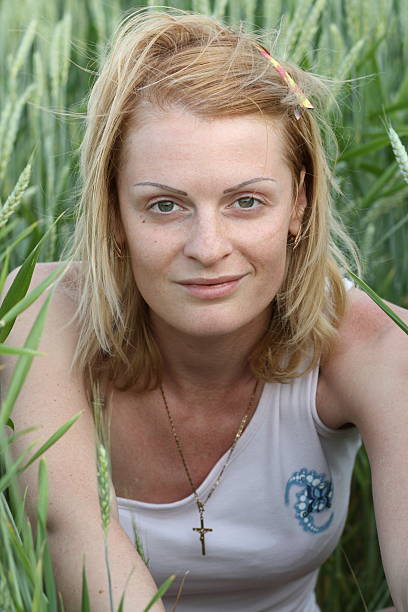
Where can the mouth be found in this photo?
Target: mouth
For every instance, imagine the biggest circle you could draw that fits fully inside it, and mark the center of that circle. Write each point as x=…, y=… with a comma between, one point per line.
x=211, y=288
x=211, y=281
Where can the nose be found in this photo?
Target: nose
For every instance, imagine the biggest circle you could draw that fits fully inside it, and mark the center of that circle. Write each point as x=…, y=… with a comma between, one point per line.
x=208, y=240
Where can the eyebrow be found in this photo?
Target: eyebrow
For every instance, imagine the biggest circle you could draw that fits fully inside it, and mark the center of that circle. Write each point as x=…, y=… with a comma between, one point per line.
x=161, y=186
x=184, y=193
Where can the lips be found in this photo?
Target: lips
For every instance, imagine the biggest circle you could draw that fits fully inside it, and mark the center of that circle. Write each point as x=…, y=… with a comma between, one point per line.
x=211, y=281
x=212, y=288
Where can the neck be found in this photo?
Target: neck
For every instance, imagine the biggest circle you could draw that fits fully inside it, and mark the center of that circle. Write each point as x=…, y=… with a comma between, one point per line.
x=216, y=363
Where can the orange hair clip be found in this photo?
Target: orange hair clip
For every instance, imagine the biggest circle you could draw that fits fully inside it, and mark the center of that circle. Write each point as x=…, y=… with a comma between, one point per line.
x=293, y=87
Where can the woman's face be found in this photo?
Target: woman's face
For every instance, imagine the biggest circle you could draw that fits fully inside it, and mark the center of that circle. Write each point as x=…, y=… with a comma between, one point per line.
x=206, y=207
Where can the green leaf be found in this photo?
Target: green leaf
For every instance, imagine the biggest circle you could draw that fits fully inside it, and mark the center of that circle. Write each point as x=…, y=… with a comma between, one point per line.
x=52, y=440
x=42, y=541
x=49, y=581
x=19, y=238
x=4, y=270
x=10, y=550
x=10, y=424
x=85, y=605
x=37, y=596
x=12, y=470
x=24, y=303
x=369, y=147
x=5, y=349
x=19, y=287
x=42, y=503
x=160, y=592
x=376, y=298
x=23, y=364
x=17, y=291
x=121, y=603
x=375, y=191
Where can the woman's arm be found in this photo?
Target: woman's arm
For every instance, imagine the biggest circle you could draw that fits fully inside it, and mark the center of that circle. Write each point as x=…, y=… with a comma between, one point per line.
x=368, y=380
x=51, y=395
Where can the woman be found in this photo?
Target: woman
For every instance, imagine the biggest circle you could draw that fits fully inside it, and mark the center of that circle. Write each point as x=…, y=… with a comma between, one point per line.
x=239, y=368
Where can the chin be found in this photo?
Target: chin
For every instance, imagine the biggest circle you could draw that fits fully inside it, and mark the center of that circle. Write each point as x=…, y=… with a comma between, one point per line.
x=212, y=327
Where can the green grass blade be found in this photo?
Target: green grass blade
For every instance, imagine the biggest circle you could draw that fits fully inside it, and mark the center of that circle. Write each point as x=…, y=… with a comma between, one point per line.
x=31, y=297
x=374, y=193
x=369, y=147
x=12, y=470
x=49, y=581
x=8, y=549
x=19, y=287
x=85, y=605
x=23, y=365
x=160, y=592
x=5, y=349
x=42, y=543
x=376, y=298
x=5, y=269
x=24, y=234
x=17, y=291
x=121, y=603
x=38, y=592
x=52, y=440
x=42, y=503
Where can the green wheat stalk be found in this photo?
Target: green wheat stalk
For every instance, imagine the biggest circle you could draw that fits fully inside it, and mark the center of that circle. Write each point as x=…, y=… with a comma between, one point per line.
x=6, y=603
x=14, y=199
x=400, y=152
x=353, y=19
x=298, y=19
x=9, y=122
x=308, y=31
x=220, y=8
x=102, y=463
x=250, y=9
x=369, y=18
x=20, y=57
x=271, y=12
x=201, y=6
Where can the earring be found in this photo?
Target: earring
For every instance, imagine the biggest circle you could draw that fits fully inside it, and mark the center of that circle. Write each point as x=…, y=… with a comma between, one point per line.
x=297, y=239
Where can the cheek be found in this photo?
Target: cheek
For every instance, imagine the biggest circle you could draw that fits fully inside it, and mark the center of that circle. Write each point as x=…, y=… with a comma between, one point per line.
x=271, y=241
x=150, y=258
x=269, y=260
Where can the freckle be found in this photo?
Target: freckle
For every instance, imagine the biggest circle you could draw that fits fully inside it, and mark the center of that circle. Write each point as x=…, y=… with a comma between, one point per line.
x=143, y=220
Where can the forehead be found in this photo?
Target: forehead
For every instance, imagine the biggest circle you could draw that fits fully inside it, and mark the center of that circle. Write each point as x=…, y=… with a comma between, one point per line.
x=177, y=135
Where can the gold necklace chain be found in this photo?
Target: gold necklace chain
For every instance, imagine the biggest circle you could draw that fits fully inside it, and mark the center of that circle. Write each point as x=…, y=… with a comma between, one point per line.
x=202, y=530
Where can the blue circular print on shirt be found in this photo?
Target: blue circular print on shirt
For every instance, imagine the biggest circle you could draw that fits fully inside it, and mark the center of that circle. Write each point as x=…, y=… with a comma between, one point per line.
x=314, y=497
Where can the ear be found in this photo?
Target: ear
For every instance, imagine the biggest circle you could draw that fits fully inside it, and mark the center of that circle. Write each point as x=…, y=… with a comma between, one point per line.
x=299, y=206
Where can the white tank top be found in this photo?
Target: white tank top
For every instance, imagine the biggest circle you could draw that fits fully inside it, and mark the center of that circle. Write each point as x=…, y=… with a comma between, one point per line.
x=276, y=515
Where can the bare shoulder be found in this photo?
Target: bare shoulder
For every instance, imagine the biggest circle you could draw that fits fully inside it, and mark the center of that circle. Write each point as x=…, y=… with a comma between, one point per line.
x=370, y=354
x=366, y=322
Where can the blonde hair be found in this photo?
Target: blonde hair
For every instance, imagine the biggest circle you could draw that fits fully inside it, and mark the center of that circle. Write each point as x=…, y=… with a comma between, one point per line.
x=177, y=58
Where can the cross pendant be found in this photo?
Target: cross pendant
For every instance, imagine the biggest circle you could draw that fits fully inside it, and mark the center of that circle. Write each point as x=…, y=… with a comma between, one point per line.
x=202, y=531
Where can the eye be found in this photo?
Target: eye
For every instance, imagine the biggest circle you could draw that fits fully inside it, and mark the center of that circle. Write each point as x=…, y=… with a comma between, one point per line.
x=247, y=202
x=165, y=206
